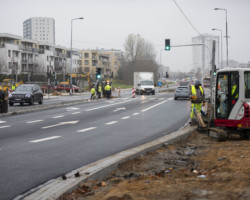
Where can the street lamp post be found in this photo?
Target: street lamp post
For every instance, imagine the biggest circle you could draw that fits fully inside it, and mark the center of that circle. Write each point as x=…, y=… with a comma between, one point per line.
x=215, y=29
x=226, y=30
x=71, y=54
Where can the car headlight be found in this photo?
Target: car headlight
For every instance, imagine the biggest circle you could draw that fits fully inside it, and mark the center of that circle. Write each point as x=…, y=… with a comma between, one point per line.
x=27, y=95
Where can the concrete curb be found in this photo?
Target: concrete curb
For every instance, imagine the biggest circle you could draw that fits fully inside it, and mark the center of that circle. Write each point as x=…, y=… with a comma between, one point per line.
x=53, y=189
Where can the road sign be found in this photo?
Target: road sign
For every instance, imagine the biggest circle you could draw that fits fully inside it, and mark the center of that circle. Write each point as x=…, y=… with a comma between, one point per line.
x=159, y=83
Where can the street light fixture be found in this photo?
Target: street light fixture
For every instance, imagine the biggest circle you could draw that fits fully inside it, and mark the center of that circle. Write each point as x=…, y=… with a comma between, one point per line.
x=71, y=54
x=226, y=30
x=215, y=29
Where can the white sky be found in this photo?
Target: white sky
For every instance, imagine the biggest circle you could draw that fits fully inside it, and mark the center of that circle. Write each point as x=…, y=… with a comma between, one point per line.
x=107, y=23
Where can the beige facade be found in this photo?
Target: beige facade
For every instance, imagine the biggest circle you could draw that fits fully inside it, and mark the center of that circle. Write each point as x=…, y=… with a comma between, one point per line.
x=108, y=61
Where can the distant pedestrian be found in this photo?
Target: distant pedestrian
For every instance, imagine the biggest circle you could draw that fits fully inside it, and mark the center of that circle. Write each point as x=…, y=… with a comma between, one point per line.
x=108, y=90
x=99, y=91
x=92, y=92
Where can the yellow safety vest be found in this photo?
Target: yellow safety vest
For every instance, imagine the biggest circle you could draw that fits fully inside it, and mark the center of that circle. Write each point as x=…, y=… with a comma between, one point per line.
x=13, y=87
x=108, y=87
x=93, y=91
x=193, y=91
x=100, y=88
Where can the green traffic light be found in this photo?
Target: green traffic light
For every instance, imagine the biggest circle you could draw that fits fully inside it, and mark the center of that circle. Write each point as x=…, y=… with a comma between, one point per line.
x=98, y=76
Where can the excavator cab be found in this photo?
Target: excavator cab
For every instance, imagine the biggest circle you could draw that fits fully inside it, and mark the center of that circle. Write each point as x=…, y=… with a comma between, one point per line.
x=232, y=98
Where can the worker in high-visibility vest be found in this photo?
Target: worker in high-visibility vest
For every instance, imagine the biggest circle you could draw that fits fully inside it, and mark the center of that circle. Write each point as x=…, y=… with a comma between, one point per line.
x=197, y=98
x=108, y=90
x=92, y=92
x=13, y=87
x=99, y=91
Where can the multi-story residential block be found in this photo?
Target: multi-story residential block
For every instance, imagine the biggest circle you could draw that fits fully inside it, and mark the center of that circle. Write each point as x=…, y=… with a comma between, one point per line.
x=108, y=61
x=39, y=28
x=29, y=57
x=10, y=54
x=202, y=53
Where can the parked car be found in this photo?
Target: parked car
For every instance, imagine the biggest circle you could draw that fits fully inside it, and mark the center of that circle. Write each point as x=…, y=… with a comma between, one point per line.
x=26, y=93
x=182, y=92
x=66, y=87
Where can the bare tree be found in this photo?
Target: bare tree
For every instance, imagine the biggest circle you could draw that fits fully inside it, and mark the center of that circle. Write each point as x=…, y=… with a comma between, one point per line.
x=137, y=48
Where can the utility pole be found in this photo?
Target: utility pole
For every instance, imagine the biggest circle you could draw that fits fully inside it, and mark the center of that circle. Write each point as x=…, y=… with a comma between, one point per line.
x=213, y=69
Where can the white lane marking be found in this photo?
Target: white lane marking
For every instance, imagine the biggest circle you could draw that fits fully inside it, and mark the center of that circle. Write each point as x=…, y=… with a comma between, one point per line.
x=126, y=117
x=59, y=116
x=61, y=123
x=1, y=122
x=30, y=122
x=172, y=98
x=113, y=122
x=86, y=129
x=72, y=108
x=119, y=109
x=4, y=126
x=136, y=114
x=108, y=105
x=45, y=139
x=161, y=98
x=75, y=113
x=153, y=106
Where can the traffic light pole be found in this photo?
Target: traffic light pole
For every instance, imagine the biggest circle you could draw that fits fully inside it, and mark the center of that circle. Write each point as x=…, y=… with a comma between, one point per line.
x=188, y=45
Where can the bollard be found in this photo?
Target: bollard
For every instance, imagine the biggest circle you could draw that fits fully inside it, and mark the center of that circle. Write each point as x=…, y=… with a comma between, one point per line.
x=133, y=93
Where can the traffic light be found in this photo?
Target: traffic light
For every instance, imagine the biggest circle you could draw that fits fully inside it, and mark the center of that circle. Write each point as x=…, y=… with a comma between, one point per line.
x=98, y=73
x=167, y=44
x=167, y=75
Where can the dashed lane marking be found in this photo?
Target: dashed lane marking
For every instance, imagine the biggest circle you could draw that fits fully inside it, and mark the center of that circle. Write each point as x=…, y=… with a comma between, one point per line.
x=75, y=113
x=4, y=126
x=45, y=139
x=86, y=129
x=30, y=122
x=136, y=114
x=108, y=105
x=59, y=116
x=153, y=106
x=126, y=117
x=113, y=122
x=1, y=122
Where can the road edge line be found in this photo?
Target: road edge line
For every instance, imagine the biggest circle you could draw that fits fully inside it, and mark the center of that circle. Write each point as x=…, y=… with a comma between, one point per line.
x=55, y=188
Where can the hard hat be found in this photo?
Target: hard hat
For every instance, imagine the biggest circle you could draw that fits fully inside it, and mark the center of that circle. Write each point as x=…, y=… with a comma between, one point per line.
x=197, y=82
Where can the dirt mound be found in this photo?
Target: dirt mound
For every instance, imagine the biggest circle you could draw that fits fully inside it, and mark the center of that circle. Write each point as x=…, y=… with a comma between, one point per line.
x=196, y=168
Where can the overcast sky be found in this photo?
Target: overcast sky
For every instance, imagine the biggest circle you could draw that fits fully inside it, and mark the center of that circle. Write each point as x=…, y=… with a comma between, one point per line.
x=107, y=23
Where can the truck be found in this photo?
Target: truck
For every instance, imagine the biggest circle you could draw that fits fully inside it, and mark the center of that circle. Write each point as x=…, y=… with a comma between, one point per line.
x=144, y=83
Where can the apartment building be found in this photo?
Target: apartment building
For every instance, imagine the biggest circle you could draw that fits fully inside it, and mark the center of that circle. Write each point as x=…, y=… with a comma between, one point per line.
x=108, y=61
x=10, y=54
x=202, y=52
x=41, y=29
x=25, y=56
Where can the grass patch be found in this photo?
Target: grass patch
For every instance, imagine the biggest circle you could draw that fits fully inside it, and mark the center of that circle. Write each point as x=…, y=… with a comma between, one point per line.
x=121, y=84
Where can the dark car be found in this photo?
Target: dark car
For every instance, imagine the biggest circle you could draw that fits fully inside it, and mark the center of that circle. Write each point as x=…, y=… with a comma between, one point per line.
x=26, y=93
x=181, y=92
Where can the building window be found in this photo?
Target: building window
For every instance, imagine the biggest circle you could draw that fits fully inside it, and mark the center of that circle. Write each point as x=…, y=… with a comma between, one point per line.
x=86, y=55
x=86, y=62
x=9, y=53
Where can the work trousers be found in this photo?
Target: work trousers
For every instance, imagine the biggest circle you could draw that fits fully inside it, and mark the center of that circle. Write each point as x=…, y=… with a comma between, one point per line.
x=196, y=106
